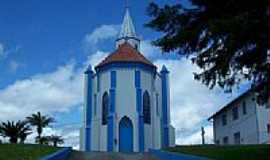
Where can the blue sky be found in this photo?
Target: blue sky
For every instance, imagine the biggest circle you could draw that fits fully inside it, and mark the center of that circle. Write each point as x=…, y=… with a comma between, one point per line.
x=45, y=45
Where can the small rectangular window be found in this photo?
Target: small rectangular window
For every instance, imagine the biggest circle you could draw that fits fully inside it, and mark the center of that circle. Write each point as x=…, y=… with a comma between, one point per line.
x=225, y=140
x=224, y=119
x=244, y=108
x=267, y=105
x=217, y=142
x=237, y=138
x=235, y=113
x=268, y=128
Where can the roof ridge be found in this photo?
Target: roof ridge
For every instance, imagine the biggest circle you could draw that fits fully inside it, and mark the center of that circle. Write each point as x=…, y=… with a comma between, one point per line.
x=125, y=53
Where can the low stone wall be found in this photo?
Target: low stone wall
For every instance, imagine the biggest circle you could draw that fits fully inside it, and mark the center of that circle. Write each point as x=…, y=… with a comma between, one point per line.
x=58, y=155
x=163, y=155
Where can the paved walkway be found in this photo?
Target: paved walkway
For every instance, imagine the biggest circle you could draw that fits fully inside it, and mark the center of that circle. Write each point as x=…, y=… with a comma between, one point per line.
x=75, y=155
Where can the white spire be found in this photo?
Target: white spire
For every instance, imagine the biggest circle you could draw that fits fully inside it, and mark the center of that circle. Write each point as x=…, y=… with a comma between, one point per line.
x=127, y=33
x=127, y=28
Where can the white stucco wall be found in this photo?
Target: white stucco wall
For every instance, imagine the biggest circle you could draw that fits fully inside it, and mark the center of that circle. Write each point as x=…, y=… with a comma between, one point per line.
x=126, y=102
x=252, y=126
x=263, y=120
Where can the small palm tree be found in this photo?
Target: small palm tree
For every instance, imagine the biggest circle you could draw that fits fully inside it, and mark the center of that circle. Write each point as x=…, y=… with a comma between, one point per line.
x=55, y=140
x=14, y=130
x=40, y=122
x=25, y=130
x=43, y=140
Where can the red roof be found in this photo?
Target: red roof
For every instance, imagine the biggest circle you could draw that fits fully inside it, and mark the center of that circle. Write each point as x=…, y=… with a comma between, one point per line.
x=125, y=53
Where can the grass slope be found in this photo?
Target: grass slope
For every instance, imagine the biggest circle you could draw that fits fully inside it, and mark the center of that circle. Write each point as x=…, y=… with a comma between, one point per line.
x=243, y=152
x=24, y=151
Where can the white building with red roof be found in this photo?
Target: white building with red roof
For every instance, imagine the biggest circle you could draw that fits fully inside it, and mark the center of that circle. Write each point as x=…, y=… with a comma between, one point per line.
x=127, y=101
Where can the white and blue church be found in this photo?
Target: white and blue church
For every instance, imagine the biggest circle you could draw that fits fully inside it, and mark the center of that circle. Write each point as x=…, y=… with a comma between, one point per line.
x=127, y=100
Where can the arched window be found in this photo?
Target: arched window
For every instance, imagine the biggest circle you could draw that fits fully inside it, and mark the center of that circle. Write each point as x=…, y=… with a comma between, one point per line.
x=105, y=108
x=146, y=108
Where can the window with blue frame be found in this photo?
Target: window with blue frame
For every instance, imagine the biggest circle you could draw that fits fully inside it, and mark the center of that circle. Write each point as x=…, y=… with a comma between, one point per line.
x=105, y=108
x=146, y=108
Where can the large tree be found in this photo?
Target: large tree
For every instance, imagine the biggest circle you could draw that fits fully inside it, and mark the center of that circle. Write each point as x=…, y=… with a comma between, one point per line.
x=229, y=40
x=40, y=122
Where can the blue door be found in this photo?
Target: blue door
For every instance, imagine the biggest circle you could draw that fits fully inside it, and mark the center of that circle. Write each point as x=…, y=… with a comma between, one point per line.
x=125, y=135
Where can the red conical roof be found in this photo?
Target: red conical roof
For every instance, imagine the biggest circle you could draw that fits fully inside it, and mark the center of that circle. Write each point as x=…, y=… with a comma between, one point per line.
x=125, y=53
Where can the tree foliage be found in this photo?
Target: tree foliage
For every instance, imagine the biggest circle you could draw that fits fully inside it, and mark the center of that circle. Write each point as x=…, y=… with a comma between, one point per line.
x=15, y=130
x=55, y=140
x=40, y=122
x=229, y=40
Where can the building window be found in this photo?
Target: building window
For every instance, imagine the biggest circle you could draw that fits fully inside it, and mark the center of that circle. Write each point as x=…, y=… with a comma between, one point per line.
x=236, y=138
x=146, y=108
x=105, y=107
x=217, y=142
x=225, y=140
x=157, y=105
x=244, y=108
x=235, y=113
x=95, y=104
x=224, y=119
x=268, y=128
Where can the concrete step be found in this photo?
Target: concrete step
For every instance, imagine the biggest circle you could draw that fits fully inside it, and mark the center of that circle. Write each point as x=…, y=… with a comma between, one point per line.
x=77, y=155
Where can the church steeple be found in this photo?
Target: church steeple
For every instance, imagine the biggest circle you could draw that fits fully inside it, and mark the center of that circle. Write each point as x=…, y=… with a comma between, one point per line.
x=128, y=33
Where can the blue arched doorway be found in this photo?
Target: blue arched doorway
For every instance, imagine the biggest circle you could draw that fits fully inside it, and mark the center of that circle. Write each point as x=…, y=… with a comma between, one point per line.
x=125, y=135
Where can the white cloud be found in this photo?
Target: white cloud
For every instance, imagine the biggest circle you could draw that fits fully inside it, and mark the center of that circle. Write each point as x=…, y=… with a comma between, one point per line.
x=191, y=101
x=101, y=33
x=149, y=50
x=196, y=138
x=50, y=92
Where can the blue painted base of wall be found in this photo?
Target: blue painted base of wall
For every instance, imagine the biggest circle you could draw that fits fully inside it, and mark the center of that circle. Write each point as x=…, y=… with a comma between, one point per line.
x=163, y=155
x=61, y=154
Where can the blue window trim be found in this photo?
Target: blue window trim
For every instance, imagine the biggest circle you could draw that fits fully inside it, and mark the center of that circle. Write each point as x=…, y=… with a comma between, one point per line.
x=110, y=134
x=139, y=110
x=89, y=75
x=137, y=79
x=105, y=108
x=113, y=79
x=146, y=108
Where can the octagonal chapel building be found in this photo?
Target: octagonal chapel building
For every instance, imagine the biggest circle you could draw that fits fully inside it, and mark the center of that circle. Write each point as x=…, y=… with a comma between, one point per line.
x=127, y=101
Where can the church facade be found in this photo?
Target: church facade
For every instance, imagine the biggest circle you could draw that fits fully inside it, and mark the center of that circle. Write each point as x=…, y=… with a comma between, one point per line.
x=127, y=100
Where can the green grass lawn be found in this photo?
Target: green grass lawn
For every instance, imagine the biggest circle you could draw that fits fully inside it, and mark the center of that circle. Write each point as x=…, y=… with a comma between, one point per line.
x=243, y=152
x=24, y=151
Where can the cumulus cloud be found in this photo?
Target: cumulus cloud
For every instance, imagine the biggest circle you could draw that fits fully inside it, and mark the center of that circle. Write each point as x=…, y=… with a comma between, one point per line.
x=56, y=91
x=100, y=34
x=49, y=92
